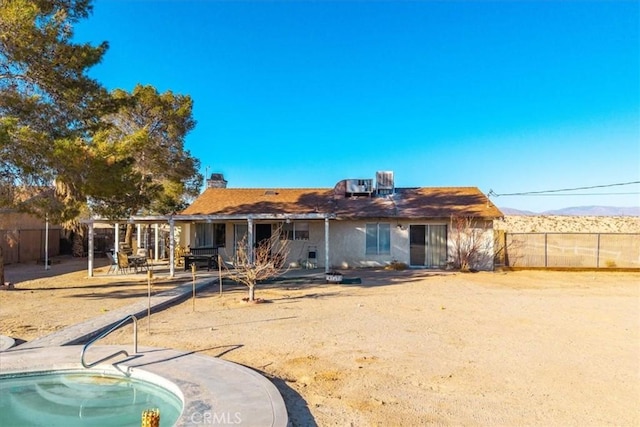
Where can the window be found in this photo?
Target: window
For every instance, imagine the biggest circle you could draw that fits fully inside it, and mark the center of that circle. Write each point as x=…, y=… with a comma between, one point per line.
x=295, y=231
x=378, y=240
x=210, y=235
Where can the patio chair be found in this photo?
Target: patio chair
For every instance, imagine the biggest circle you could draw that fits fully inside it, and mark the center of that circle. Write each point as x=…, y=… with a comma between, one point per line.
x=113, y=264
x=123, y=262
x=141, y=259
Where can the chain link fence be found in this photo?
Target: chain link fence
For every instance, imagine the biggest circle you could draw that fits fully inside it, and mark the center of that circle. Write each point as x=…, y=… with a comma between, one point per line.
x=571, y=250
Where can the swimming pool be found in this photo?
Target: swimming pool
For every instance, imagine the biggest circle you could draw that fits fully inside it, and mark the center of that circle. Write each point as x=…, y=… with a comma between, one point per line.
x=84, y=398
x=212, y=390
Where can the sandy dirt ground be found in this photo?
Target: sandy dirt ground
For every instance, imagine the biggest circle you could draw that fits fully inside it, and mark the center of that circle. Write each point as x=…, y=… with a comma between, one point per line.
x=399, y=349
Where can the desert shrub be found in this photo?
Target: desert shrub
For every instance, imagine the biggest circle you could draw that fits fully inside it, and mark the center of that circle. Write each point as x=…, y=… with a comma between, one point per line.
x=610, y=263
x=469, y=249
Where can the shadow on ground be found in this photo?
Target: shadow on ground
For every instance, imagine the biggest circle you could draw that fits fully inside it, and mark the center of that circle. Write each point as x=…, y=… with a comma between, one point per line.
x=63, y=264
x=297, y=407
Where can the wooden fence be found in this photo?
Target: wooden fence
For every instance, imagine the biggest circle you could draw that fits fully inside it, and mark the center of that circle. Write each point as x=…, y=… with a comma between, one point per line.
x=28, y=245
x=571, y=250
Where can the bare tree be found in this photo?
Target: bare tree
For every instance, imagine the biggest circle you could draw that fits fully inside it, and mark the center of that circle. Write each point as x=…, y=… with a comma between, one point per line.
x=471, y=248
x=264, y=261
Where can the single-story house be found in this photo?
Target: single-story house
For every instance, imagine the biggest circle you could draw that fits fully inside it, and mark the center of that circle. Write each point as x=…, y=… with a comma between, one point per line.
x=358, y=223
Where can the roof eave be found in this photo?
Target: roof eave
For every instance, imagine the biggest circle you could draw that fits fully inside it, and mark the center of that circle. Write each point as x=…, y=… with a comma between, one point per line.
x=258, y=216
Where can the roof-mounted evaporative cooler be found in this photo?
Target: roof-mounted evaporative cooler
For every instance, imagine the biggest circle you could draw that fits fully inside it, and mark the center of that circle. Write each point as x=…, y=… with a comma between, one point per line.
x=384, y=183
x=359, y=187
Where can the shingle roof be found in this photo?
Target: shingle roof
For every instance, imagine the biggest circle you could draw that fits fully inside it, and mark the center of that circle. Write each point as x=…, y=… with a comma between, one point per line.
x=447, y=201
x=422, y=202
x=246, y=201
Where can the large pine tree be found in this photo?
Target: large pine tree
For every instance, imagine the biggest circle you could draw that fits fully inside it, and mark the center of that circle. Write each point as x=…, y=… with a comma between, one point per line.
x=48, y=103
x=67, y=146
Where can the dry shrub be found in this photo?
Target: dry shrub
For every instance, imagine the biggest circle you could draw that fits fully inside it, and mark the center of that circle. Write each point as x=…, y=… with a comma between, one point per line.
x=396, y=266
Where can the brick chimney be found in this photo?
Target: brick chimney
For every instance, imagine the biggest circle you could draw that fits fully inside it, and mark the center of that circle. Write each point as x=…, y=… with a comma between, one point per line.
x=216, y=181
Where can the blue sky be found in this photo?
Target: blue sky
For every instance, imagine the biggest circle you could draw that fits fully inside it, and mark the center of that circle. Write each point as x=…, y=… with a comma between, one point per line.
x=507, y=96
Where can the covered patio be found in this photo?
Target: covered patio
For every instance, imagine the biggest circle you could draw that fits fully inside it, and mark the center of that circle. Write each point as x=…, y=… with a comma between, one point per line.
x=180, y=235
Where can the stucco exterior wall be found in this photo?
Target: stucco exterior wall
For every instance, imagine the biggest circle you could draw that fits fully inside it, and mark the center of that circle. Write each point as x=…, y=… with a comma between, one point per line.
x=347, y=242
x=483, y=234
x=489, y=247
x=298, y=249
x=187, y=235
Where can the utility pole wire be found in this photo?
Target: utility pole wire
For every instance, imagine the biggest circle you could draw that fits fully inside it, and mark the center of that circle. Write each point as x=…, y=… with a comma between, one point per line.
x=526, y=193
x=579, y=194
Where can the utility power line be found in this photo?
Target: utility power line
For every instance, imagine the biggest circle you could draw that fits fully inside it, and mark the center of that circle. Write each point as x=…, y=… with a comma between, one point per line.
x=579, y=194
x=547, y=192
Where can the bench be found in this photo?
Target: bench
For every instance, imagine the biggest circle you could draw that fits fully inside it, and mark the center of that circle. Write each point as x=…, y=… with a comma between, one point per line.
x=201, y=256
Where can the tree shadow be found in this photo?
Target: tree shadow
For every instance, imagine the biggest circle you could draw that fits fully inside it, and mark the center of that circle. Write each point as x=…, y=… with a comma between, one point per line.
x=365, y=278
x=314, y=295
x=122, y=290
x=227, y=349
x=62, y=264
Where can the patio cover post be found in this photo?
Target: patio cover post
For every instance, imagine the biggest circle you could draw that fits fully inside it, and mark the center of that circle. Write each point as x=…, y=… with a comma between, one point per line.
x=250, y=239
x=172, y=245
x=46, y=242
x=326, y=244
x=90, y=254
x=156, y=230
x=138, y=235
x=116, y=242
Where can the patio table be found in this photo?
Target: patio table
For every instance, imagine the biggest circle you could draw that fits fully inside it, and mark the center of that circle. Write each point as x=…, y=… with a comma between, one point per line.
x=138, y=261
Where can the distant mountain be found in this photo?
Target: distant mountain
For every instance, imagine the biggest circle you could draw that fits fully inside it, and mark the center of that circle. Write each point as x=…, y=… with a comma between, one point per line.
x=597, y=211
x=580, y=211
x=512, y=211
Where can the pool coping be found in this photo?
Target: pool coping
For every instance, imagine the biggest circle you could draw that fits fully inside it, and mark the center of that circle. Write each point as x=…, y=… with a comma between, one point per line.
x=6, y=342
x=215, y=391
